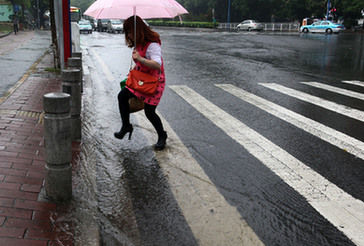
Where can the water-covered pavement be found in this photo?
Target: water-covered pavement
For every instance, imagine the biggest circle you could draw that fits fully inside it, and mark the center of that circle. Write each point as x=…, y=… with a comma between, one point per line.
x=18, y=53
x=254, y=155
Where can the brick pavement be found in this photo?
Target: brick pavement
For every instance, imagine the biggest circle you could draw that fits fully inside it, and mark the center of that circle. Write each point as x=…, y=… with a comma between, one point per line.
x=25, y=218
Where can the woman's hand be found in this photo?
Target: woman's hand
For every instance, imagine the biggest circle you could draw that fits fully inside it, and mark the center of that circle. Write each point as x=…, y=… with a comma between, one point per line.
x=149, y=63
x=136, y=56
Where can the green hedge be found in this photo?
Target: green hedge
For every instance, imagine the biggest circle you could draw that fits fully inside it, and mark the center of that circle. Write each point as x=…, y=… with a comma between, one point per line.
x=195, y=24
x=6, y=27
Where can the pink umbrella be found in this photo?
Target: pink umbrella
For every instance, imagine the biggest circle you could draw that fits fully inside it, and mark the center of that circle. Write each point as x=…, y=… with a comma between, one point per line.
x=146, y=9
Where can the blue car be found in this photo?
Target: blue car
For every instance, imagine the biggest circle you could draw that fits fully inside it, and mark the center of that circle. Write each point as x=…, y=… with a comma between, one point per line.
x=323, y=27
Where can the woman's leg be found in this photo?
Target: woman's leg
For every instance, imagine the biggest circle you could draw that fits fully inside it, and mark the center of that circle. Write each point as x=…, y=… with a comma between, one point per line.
x=123, y=98
x=152, y=116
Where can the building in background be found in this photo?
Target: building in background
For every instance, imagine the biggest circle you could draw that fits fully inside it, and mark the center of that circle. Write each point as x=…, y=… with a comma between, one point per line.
x=6, y=11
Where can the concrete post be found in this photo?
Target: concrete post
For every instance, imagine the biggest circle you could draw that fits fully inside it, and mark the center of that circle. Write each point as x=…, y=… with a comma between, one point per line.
x=76, y=62
x=71, y=80
x=77, y=54
x=58, y=146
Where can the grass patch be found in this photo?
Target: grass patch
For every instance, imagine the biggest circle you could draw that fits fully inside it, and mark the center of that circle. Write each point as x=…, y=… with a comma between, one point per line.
x=5, y=27
x=52, y=70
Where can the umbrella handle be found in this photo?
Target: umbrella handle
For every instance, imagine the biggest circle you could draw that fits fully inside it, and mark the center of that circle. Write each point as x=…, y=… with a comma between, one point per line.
x=134, y=10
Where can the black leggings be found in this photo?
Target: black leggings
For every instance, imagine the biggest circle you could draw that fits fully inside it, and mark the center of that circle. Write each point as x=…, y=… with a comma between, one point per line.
x=149, y=110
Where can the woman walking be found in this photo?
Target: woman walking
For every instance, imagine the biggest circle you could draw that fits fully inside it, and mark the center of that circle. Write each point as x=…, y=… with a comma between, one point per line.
x=147, y=56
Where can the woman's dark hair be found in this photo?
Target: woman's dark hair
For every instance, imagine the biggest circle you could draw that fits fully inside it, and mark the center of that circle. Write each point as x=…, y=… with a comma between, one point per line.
x=143, y=32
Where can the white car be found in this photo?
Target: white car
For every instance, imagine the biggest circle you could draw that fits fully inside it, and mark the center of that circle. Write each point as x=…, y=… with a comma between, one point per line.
x=250, y=25
x=115, y=26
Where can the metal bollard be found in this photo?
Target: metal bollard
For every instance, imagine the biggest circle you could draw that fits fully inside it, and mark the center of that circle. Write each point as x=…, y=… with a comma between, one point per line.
x=71, y=80
x=76, y=62
x=58, y=146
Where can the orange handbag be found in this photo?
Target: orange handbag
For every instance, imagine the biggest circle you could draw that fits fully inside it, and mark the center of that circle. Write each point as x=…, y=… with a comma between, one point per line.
x=142, y=82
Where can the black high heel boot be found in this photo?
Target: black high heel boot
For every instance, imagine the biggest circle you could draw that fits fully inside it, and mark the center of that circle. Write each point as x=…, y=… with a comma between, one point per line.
x=161, y=143
x=123, y=131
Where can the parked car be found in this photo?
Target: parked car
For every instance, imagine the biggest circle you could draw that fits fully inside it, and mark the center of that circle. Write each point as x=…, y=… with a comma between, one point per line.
x=85, y=26
x=93, y=24
x=250, y=25
x=102, y=25
x=323, y=27
x=115, y=26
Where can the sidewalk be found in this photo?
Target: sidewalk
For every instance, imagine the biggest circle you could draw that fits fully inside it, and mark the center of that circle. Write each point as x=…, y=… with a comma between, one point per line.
x=25, y=218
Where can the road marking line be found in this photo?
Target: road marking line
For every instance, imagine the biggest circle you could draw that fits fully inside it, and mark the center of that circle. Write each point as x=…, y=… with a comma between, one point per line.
x=341, y=140
x=104, y=67
x=197, y=196
x=341, y=109
x=328, y=199
x=337, y=90
x=354, y=82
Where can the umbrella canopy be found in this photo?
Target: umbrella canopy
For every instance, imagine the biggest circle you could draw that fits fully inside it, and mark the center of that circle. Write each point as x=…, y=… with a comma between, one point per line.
x=146, y=9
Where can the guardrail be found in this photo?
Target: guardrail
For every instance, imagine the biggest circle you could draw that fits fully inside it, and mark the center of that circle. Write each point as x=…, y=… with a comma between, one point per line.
x=273, y=27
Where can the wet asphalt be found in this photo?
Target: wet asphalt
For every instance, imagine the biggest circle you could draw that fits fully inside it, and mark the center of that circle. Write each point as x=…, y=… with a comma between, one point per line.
x=276, y=213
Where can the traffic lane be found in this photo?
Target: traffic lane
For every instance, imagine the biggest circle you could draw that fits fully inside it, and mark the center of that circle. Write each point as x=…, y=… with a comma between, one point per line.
x=199, y=70
x=309, y=56
x=200, y=67
x=128, y=175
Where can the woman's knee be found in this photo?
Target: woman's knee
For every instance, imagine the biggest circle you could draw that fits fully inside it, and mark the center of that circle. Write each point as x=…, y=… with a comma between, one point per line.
x=149, y=110
x=123, y=95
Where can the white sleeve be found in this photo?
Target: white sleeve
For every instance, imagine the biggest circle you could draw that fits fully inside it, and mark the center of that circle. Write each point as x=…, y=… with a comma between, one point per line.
x=154, y=52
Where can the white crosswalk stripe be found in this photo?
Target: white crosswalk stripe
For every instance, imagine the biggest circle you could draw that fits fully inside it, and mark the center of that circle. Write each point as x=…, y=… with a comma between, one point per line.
x=336, y=90
x=325, y=133
x=341, y=109
x=337, y=206
x=226, y=226
x=354, y=82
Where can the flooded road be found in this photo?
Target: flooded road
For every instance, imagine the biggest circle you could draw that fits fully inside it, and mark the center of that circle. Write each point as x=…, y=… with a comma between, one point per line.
x=247, y=163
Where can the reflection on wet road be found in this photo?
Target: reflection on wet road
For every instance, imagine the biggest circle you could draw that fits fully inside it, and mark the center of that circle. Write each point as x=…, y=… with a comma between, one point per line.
x=246, y=163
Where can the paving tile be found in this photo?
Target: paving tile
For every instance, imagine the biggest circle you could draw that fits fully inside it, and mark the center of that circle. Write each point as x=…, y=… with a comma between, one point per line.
x=15, y=223
x=2, y=220
x=34, y=205
x=31, y=188
x=16, y=213
x=9, y=186
x=23, y=180
x=5, y=164
x=12, y=232
x=14, y=172
x=18, y=194
x=6, y=202
x=22, y=242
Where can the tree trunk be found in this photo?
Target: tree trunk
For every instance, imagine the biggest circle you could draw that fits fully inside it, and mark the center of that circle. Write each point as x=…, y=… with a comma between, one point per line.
x=54, y=35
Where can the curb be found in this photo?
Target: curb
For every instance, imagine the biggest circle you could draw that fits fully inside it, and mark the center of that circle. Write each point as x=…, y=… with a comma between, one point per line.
x=6, y=34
